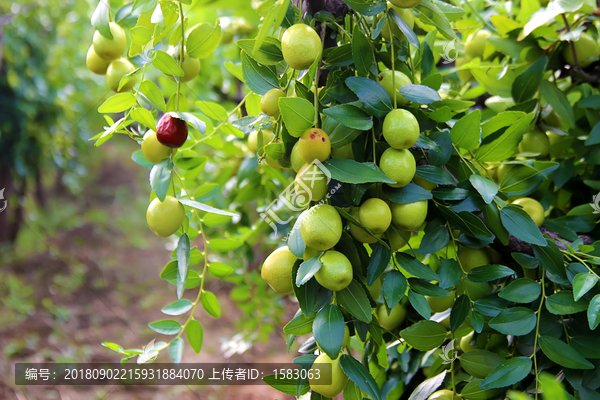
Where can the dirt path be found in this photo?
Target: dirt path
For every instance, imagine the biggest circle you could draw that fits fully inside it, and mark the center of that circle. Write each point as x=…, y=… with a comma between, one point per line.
x=96, y=279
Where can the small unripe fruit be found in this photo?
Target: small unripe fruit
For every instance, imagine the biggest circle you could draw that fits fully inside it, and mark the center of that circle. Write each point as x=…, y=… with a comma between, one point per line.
x=359, y=233
x=392, y=320
x=424, y=183
x=439, y=304
x=338, y=378
x=314, y=144
x=396, y=240
x=190, y=66
x=586, y=48
x=409, y=216
x=398, y=165
x=321, y=228
x=153, y=150
x=94, y=63
x=336, y=272
x=117, y=70
x=464, y=74
x=108, y=49
x=475, y=44
x=405, y=3
x=164, y=218
x=391, y=82
x=375, y=215
x=535, y=141
x=171, y=131
x=310, y=183
x=533, y=208
x=277, y=270
x=295, y=159
x=267, y=136
x=269, y=104
x=400, y=129
x=300, y=46
x=472, y=258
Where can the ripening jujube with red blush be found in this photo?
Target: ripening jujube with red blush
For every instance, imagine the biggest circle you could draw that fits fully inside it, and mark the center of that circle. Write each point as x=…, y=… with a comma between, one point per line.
x=314, y=144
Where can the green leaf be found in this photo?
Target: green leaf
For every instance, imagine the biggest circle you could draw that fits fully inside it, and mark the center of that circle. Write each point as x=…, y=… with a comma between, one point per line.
x=144, y=117
x=374, y=98
x=479, y=363
x=582, y=283
x=508, y=373
x=427, y=387
x=501, y=145
x=101, y=19
x=328, y=328
x=211, y=304
x=472, y=390
x=419, y=94
x=176, y=350
x=203, y=40
x=165, y=327
x=424, y=335
x=117, y=103
x=153, y=94
x=307, y=270
x=284, y=385
x=415, y=267
x=160, y=178
x=114, y=347
x=407, y=194
x=562, y=303
x=430, y=14
x=466, y=132
x=522, y=290
x=178, y=307
x=486, y=188
x=593, y=311
x=380, y=259
x=298, y=114
x=206, y=208
x=594, y=137
x=526, y=85
x=366, y=7
x=354, y=300
x=350, y=171
x=488, y=273
x=166, y=63
x=360, y=376
x=563, y=354
x=519, y=224
x=586, y=345
x=212, y=110
x=550, y=258
x=362, y=51
x=183, y=262
x=559, y=102
x=269, y=52
x=427, y=289
x=516, y=321
x=195, y=335
x=435, y=174
x=350, y=116
x=460, y=311
x=436, y=237
x=299, y=325
x=259, y=78
x=419, y=303
x=404, y=28
x=394, y=288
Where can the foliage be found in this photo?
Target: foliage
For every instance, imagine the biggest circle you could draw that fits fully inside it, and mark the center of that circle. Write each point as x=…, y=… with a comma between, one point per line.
x=528, y=295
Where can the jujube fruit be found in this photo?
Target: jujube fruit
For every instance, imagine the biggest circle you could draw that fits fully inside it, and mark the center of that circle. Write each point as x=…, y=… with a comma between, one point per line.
x=338, y=378
x=153, y=150
x=533, y=208
x=396, y=240
x=444, y=394
x=406, y=3
x=392, y=320
x=439, y=304
x=165, y=217
x=357, y=232
x=116, y=70
x=409, y=216
x=300, y=46
x=171, y=131
x=314, y=144
x=110, y=49
x=321, y=227
x=375, y=215
x=475, y=44
x=277, y=270
x=535, y=141
x=269, y=104
x=267, y=136
x=295, y=159
x=400, y=129
x=586, y=48
x=391, y=82
x=190, y=66
x=94, y=63
x=310, y=183
x=472, y=258
x=398, y=165
x=336, y=272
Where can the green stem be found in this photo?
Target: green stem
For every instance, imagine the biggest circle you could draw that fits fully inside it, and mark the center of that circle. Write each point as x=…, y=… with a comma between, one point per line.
x=537, y=334
x=181, y=16
x=393, y=61
x=482, y=19
x=216, y=129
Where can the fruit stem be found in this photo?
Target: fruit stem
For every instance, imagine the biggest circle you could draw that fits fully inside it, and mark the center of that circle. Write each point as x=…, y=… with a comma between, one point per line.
x=181, y=16
x=572, y=46
x=537, y=333
x=393, y=62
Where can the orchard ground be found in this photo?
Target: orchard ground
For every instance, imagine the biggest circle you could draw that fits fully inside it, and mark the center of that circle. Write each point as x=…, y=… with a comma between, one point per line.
x=91, y=264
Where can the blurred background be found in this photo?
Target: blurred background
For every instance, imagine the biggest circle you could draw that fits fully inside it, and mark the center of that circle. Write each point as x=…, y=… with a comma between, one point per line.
x=79, y=265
